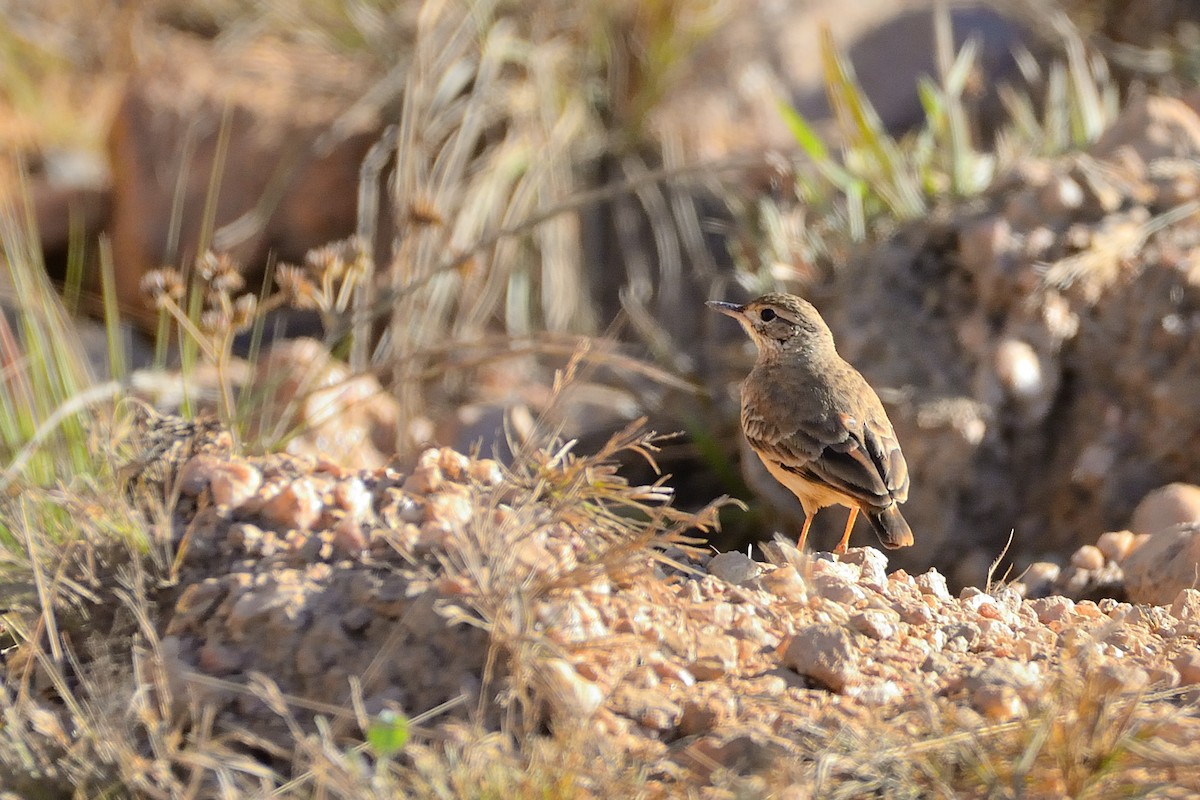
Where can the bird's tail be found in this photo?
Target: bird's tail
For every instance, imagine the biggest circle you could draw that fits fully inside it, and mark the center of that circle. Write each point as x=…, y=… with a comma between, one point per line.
x=890, y=526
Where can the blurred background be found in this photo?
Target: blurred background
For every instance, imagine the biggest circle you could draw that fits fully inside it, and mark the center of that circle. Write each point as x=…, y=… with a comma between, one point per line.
x=440, y=205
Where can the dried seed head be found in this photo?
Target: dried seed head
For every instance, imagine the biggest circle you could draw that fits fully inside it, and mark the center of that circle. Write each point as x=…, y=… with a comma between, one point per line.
x=244, y=309
x=326, y=263
x=220, y=272
x=216, y=320
x=161, y=285
x=297, y=289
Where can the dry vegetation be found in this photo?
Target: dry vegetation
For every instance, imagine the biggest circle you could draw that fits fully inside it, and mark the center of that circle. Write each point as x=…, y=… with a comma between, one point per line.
x=497, y=106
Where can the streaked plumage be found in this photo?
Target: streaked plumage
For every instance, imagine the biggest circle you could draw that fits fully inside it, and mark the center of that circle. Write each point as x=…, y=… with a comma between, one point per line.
x=817, y=425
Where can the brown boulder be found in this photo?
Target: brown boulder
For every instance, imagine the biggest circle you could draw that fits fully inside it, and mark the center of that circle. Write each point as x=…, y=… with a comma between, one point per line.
x=255, y=129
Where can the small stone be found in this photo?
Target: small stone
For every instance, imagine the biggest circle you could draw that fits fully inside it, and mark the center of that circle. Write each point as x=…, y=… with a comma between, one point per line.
x=998, y=702
x=1040, y=577
x=716, y=655
x=734, y=754
x=400, y=507
x=1038, y=242
x=733, y=567
x=1088, y=609
x=961, y=636
x=245, y=538
x=297, y=506
x=649, y=708
x=574, y=696
x=348, y=538
x=847, y=571
x=934, y=583
x=1052, y=609
x=453, y=510
x=1019, y=369
x=785, y=582
x=877, y=694
x=839, y=591
x=702, y=716
x=1060, y=196
x=872, y=564
x=1115, y=545
x=914, y=614
x=981, y=244
x=982, y=604
x=425, y=478
x=1115, y=678
x=1088, y=557
x=454, y=465
x=878, y=623
x=1188, y=666
x=195, y=475
x=486, y=471
x=1186, y=605
x=233, y=483
x=826, y=653
x=357, y=619
x=352, y=497
x=196, y=605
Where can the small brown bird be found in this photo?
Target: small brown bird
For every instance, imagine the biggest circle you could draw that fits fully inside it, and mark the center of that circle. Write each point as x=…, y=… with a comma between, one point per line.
x=816, y=423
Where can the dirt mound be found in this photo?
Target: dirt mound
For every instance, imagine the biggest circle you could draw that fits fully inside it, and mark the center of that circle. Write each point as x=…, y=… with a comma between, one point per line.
x=1037, y=347
x=477, y=594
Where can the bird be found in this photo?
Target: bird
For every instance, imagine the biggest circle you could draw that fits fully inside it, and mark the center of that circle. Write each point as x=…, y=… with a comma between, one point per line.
x=816, y=423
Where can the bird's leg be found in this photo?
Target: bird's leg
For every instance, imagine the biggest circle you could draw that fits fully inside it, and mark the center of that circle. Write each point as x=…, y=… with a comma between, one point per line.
x=808, y=518
x=841, y=548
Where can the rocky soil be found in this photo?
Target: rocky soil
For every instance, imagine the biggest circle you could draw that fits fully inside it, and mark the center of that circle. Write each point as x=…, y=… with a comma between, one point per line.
x=489, y=595
x=1036, y=347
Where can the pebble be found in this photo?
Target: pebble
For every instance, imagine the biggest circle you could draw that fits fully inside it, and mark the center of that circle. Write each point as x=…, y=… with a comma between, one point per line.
x=1188, y=666
x=1116, y=545
x=733, y=567
x=1186, y=605
x=879, y=624
x=837, y=590
x=877, y=694
x=575, y=696
x=786, y=583
x=297, y=506
x=1040, y=577
x=1052, y=609
x=998, y=703
x=826, y=653
x=233, y=483
x=486, y=472
x=872, y=565
x=933, y=583
x=352, y=496
x=1088, y=557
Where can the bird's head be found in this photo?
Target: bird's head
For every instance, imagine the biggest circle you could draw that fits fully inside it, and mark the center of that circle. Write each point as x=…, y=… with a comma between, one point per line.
x=780, y=323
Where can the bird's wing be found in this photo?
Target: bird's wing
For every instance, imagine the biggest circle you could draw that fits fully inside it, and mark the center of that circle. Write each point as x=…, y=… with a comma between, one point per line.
x=856, y=458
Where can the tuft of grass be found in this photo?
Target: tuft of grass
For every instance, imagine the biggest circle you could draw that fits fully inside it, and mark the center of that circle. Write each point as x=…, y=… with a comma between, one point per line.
x=874, y=180
x=47, y=392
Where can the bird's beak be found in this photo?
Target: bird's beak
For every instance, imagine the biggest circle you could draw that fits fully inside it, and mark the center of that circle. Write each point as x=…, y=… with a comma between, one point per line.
x=729, y=309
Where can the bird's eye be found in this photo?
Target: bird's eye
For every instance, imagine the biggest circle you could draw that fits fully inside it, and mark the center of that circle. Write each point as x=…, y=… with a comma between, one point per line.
x=766, y=315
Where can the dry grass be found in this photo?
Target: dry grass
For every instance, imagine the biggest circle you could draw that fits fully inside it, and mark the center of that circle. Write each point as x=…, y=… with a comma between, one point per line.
x=498, y=112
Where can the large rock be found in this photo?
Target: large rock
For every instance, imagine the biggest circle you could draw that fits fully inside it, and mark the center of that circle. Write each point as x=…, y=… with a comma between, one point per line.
x=252, y=127
x=1166, y=507
x=1166, y=564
